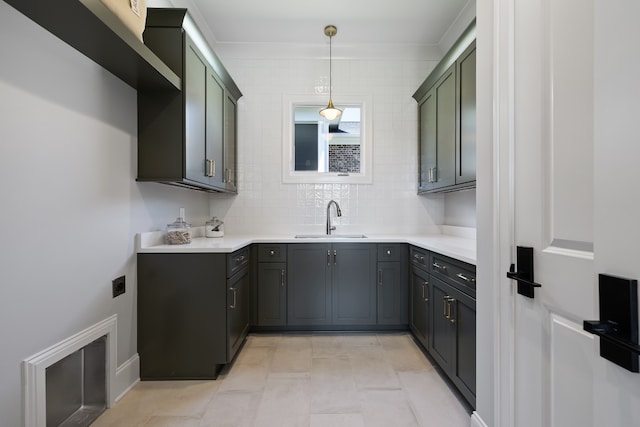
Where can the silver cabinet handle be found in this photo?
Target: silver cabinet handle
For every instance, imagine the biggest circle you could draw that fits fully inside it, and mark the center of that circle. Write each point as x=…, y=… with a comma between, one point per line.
x=418, y=257
x=444, y=306
x=210, y=168
x=240, y=259
x=433, y=174
x=272, y=252
x=465, y=278
x=335, y=257
x=425, y=297
x=282, y=277
x=439, y=267
x=380, y=277
x=328, y=257
x=449, y=316
x=235, y=297
x=389, y=252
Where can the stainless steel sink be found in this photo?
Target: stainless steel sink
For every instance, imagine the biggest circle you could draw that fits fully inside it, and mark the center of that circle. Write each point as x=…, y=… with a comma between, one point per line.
x=329, y=236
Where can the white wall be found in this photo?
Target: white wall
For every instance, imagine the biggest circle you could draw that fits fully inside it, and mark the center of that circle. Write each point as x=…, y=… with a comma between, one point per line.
x=389, y=205
x=70, y=206
x=460, y=208
x=390, y=75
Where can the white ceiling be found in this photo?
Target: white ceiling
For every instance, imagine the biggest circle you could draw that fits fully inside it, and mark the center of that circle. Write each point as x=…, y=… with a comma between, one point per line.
x=405, y=22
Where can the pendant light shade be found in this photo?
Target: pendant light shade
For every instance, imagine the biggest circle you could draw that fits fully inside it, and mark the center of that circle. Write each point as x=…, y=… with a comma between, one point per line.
x=331, y=112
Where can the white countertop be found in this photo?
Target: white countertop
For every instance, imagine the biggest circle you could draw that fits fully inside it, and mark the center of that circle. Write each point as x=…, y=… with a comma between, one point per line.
x=461, y=246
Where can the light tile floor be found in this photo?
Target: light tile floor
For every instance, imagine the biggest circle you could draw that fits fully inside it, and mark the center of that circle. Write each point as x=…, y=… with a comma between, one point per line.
x=303, y=380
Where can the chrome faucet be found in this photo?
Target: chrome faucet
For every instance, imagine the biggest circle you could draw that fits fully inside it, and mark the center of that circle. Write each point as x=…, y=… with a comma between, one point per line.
x=330, y=228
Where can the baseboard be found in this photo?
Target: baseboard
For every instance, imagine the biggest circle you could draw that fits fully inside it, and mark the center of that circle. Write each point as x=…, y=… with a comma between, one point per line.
x=476, y=421
x=127, y=376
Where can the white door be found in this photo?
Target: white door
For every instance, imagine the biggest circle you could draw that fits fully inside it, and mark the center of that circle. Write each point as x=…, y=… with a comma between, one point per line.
x=576, y=147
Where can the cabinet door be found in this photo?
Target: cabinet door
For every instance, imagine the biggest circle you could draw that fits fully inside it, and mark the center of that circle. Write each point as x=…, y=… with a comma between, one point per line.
x=419, y=302
x=214, y=130
x=438, y=134
x=428, y=146
x=466, y=152
x=443, y=331
x=272, y=295
x=445, y=91
x=195, y=85
x=230, y=144
x=309, y=284
x=238, y=311
x=463, y=372
x=354, y=283
x=392, y=293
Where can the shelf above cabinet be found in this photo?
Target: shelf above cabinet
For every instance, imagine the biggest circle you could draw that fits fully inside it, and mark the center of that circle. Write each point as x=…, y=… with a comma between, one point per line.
x=91, y=28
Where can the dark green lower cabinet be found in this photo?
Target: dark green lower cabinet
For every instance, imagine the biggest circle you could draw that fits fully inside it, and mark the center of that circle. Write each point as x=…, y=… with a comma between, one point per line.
x=272, y=294
x=238, y=310
x=331, y=284
x=353, y=278
x=309, y=284
x=192, y=317
x=419, y=301
x=453, y=341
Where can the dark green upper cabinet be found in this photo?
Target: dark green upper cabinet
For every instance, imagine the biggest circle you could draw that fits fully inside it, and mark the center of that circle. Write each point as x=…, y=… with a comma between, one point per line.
x=447, y=120
x=187, y=139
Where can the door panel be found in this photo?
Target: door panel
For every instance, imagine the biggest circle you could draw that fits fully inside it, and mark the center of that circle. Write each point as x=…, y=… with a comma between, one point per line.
x=309, y=281
x=354, y=283
x=195, y=113
x=573, y=189
x=572, y=354
x=272, y=296
x=442, y=334
x=214, y=129
x=420, y=315
x=428, y=140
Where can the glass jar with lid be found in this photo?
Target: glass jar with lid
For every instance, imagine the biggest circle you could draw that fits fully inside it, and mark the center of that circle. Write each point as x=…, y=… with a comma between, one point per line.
x=179, y=231
x=214, y=228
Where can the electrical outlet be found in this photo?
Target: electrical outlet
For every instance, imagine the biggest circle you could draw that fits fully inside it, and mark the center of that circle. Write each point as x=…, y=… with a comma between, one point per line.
x=118, y=286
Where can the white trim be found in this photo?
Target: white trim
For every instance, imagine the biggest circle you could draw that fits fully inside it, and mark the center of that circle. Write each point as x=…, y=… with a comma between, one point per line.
x=476, y=421
x=127, y=376
x=366, y=137
x=34, y=368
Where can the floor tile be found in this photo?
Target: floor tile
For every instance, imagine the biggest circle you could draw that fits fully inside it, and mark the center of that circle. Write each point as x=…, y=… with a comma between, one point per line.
x=168, y=421
x=232, y=409
x=300, y=380
x=432, y=401
x=284, y=403
x=383, y=408
x=337, y=420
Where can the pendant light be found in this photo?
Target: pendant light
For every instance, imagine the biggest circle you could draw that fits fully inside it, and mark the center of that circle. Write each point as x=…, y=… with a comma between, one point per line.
x=331, y=112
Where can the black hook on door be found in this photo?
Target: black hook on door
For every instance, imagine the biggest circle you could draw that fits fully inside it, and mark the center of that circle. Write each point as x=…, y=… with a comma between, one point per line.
x=524, y=275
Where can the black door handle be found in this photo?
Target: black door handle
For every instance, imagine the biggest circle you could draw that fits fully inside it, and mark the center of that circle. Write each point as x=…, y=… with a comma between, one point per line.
x=524, y=275
x=618, y=324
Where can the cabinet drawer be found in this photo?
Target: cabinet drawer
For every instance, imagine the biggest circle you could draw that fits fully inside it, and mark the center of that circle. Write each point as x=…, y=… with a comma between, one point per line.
x=459, y=274
x=272, y=253
x=390, y=251
x=419, y=257
x=237, y=260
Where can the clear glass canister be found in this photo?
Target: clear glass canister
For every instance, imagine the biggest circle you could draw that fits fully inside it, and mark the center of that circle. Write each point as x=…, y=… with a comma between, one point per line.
x=214, y=228
x=178, y=232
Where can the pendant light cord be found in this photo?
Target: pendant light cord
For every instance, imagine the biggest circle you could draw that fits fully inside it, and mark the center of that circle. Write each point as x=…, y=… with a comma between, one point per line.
x=330, y=70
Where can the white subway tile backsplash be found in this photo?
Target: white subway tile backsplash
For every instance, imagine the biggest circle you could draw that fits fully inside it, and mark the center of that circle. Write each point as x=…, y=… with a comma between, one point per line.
x=266, y=205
